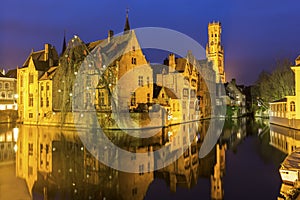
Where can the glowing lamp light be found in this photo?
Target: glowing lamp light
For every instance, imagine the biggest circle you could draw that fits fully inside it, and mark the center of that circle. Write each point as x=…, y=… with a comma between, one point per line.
x=2, y=107
x=9, y=137
x=16, y=133
x=15, y=147
x=238, y=135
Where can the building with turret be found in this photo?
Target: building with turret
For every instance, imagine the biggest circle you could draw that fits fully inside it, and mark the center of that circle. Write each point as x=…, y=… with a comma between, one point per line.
x=215, y=50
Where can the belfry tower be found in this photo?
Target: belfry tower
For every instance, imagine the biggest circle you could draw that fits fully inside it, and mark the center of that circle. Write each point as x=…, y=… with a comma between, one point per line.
x=215, y=51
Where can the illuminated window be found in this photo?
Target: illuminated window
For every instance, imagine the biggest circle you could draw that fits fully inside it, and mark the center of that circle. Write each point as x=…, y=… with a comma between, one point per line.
x=133, y=99
x=292, y=106
x=148, y=81
x=30, y=149
x=148, y=97
x=21, y=80
x=185, y=92
x=0, y=85
x=6, y=86
x=30, y=78
x=133, y=61
x=41, y=102
x=141, y=169
x=42, y=86
x=30, y=100
x=30, y=115
x=140, y=81
x=101, y=99
x=47, y=86
x=193, y=93
x=47, y=102
x=134, y=191
x=3, y=95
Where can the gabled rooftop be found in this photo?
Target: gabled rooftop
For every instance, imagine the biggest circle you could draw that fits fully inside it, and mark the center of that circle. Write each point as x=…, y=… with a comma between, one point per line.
x=43, y=59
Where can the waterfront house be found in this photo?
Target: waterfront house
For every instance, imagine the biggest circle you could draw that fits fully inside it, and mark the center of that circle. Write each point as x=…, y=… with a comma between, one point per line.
x=285, y=112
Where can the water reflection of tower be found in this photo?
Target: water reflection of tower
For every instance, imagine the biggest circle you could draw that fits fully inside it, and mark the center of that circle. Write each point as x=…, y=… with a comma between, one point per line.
x=182, y=172
x=217, y=191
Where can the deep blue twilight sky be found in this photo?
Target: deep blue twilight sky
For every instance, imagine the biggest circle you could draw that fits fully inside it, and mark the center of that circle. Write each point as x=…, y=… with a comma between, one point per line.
x=255, y=33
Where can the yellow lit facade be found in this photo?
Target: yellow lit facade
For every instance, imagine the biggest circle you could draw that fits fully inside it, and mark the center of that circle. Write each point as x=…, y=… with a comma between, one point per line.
x=286, y=111
x=215, y=50
x=28, y=84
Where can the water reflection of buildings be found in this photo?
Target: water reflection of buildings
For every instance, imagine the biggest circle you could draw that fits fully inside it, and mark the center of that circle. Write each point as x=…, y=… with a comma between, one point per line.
x=287, y=140
x=8, y=138
x=56, y=165
x=284, y=139
x=185, y=171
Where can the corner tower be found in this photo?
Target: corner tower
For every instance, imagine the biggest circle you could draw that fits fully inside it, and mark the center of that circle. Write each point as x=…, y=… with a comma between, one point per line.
x=215, y=51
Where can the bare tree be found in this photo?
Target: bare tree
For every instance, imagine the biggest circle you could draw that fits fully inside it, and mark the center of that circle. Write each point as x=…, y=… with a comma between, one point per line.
x=277, y=84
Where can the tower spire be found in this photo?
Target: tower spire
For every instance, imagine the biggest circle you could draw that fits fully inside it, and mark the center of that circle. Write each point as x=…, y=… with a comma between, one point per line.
x=127, y=26
x=64, y=44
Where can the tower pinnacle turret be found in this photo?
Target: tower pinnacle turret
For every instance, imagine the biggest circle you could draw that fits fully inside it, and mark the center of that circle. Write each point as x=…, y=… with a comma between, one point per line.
x=215, y=51
x=127, y=26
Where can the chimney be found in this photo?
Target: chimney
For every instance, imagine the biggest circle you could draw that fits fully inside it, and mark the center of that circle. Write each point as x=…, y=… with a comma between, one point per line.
x=110, y=35
x=172, y=63
x=233, y=81
x=46, y=55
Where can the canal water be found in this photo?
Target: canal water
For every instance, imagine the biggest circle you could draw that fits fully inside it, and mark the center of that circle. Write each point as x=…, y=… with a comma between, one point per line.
x=243, y=162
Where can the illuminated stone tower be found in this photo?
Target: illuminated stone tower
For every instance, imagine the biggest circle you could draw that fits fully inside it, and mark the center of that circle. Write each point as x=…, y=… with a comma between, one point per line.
x=215, y=51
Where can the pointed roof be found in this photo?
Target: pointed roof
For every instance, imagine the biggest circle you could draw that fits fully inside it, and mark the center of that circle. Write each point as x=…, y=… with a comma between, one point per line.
x=127, y=26
x=64, y=44
x=38, y=58
x=11, y=73
x=158, y=89
x=48, y=75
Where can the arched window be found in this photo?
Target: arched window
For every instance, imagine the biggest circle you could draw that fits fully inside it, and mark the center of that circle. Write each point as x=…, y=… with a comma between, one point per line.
x=292, y=106
x=6, y=86
x=3, y=95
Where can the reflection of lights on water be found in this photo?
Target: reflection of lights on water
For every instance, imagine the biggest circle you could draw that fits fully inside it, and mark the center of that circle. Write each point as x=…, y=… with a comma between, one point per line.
x=259, y=131
x=9, y=137
x=15, y=147
x=169, y=134
x=16, y=133
x=2, y=137
x=238, y=135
